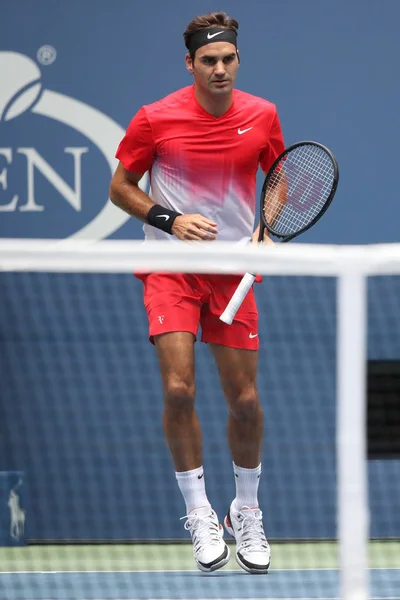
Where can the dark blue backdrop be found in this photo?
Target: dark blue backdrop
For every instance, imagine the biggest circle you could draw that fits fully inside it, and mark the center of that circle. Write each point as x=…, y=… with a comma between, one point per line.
x=81, y=399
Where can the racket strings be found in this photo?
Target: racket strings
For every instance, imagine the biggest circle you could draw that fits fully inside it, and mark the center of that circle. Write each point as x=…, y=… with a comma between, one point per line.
x=298, y=189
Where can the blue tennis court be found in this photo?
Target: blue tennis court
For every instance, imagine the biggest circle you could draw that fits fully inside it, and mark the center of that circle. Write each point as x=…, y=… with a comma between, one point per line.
x=163, y=585
x=144, y=572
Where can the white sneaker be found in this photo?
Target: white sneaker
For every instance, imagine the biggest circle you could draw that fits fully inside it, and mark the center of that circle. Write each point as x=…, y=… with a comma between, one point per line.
x=209, y=549
x=252, y=549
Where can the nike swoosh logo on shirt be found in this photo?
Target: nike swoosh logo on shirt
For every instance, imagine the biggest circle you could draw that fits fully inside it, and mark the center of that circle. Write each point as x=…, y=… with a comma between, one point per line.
x=166, y=217
x=212, y=35
x=241, y=131
x=253, y=335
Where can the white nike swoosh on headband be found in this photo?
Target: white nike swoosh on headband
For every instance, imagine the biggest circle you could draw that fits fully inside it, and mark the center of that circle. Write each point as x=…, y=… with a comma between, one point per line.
x=212, y=35
x=166, y=217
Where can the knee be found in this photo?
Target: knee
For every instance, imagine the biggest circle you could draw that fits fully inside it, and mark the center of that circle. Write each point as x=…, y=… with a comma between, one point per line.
x=179, y=396
x=245, y=405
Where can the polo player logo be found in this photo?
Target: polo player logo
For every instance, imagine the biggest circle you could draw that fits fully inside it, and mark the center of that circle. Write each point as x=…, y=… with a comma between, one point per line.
x=17, y=514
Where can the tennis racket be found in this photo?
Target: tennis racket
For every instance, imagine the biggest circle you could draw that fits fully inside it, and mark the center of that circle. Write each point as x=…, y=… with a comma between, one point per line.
x=297, y=191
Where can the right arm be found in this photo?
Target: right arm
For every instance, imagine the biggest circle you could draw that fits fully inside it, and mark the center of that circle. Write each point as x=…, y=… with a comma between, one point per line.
x=127, y=195
x=136, y=154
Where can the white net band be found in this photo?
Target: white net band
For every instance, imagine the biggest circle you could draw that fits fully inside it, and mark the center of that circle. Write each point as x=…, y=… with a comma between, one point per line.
x=115, y=256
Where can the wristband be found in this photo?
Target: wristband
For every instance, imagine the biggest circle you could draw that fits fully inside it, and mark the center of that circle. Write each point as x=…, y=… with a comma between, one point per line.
x=162, y=218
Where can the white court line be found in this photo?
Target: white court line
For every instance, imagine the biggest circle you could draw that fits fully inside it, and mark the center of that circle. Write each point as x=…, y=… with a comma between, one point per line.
x=243, y=598
x=193, y=571
x=169, y=571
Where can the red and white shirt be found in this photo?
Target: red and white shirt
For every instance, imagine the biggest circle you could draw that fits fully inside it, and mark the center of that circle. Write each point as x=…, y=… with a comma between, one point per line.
x=199, y=163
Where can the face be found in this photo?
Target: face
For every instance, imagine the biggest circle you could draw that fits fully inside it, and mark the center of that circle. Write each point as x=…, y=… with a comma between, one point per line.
x=214, y=67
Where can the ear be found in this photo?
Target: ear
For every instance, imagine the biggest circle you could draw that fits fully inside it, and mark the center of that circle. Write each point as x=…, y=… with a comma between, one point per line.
x=189, y=63
x=238, y=55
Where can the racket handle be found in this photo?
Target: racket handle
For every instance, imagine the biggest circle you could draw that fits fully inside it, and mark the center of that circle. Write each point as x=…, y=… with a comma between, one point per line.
x=237, y=299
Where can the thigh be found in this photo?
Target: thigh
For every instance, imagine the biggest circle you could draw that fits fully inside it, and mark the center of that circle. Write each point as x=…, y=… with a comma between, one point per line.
x=172, y=302
x=243, y=332
x=237, y=370
x=175, y=353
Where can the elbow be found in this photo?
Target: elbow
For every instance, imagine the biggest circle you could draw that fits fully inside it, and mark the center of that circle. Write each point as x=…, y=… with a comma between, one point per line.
x=112, y=193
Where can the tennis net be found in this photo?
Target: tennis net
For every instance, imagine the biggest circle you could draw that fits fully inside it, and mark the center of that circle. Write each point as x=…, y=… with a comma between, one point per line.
x=89, y=501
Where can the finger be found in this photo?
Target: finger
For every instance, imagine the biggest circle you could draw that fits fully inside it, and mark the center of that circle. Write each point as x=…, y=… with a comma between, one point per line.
x=204, y=225
x=199, y=233
x=193, y=236
x=208, y=236
x=206, y=221
x=203, y=218
x=205, y=235
x=267, y=240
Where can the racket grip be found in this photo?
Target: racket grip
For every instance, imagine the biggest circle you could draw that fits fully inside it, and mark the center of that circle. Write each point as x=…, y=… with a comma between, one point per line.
x=237, y=299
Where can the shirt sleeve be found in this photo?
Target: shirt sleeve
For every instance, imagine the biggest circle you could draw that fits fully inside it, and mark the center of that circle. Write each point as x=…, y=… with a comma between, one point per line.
x=275, y=145
x=137, y=149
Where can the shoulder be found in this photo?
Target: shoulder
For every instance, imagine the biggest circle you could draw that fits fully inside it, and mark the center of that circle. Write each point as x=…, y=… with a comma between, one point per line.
x=169, y=104
x=254, y=103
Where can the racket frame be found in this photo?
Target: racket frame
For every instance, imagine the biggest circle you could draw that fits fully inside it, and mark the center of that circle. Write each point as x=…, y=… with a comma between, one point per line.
x=263, y=223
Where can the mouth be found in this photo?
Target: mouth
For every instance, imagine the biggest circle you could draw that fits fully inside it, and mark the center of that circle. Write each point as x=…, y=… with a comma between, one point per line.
x=220, y=82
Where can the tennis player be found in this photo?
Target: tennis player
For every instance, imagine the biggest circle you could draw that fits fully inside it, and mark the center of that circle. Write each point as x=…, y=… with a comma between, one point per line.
x=203, y=145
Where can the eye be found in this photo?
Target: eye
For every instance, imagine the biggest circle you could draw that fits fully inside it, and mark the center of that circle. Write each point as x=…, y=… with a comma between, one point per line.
x=209, y=61
x=229, y=59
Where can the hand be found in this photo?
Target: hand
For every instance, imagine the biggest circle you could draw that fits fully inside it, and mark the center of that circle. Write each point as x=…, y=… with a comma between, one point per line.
x=194, y=227
x=267, y=240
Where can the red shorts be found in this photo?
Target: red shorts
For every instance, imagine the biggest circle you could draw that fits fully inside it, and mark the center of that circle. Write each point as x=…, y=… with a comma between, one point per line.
x=182, y=302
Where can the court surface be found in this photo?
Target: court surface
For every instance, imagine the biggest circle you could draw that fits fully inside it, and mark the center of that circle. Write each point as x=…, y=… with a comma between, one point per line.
x=167, y=572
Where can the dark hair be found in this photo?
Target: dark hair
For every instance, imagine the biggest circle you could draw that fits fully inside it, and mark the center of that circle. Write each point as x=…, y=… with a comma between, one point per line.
x=216, y=19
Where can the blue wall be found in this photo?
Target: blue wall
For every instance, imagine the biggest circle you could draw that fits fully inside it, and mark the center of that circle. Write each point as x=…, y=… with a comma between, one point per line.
x=80, y=395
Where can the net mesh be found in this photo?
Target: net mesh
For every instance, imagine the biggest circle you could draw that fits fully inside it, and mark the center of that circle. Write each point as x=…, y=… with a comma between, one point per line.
x=87, y=481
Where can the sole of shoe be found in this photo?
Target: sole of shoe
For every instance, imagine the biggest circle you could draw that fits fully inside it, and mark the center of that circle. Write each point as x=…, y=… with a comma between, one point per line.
x=224, y=559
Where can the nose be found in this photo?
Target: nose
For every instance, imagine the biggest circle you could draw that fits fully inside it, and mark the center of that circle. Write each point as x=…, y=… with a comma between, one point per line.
x=219, y=68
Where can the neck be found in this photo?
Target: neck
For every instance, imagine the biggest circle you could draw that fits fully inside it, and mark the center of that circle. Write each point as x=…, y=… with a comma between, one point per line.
x=215, y=105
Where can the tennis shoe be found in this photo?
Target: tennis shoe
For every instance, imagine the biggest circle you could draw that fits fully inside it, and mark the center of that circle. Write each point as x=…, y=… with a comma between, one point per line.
x=252, y=549
x=209, y=549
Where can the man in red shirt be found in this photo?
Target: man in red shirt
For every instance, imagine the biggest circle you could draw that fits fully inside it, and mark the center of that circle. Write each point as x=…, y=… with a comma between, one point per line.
x=203, y=145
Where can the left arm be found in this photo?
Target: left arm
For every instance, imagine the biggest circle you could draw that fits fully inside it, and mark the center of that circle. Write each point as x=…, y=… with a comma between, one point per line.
x=269, y=154
x=277, y=199
x=256, y=233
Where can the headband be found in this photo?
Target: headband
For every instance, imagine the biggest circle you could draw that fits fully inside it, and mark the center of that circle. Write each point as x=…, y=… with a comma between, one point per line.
x=210, y=35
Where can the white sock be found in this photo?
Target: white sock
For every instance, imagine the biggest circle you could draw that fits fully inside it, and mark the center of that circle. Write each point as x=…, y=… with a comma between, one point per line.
x=246, y=481
x=191, y=483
